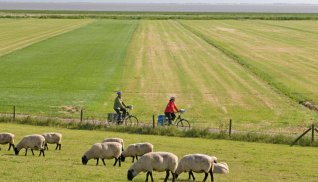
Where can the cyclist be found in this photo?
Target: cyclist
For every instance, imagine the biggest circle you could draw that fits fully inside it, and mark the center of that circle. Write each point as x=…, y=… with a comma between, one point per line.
x=119, y=106
x=170, y=108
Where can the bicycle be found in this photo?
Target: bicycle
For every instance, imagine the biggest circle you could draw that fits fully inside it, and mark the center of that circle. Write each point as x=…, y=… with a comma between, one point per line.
x=179, y=121
x=127, y=119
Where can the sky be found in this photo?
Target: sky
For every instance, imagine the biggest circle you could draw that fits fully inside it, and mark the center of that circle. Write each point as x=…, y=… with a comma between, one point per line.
x=177, y=1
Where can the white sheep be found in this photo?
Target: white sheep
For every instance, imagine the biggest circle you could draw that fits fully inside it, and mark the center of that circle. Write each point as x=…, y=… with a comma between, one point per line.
x=221, y=168
x=106, y=150
x=199, y=163
x=34, y=142
x=135, y=150
x=53, y=138
x=154, y=161
x=7, y=138
x=119, y=140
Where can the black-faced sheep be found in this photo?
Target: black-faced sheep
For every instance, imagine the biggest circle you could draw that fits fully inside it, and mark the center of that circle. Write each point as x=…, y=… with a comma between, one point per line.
x=7, y=138
x=154, y=161
x=106, y=150
x=53, y=138
x=135, y=150
x=199, y=163
x=34, y=142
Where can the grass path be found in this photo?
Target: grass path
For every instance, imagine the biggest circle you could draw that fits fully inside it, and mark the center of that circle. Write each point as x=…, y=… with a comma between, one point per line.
x=247, y=161
x=20, y=33
x=78, y=68
x=263, y=45
x=165, y=59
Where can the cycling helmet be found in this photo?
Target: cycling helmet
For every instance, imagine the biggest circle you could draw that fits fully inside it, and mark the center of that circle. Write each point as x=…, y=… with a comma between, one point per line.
x=119, y=93
x=172, y=98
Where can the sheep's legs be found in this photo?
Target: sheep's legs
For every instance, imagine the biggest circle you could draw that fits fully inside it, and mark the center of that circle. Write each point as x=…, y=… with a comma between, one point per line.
x=104, y=162
x=133, y=159
x=26, y=151
x=9, y=146
x=205, y=176
x=42, y=151
x=149, y=173
x=97, y=161
x=137, y=158
x=117, y=160
x=173, y=176
x=167, y=175
x=191, y=174
x=60, y=145
x=57, y=145
x=211, y=173
x=46, y=147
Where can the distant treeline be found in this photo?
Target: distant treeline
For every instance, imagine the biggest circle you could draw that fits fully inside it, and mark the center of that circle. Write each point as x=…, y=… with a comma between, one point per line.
x=153, y=15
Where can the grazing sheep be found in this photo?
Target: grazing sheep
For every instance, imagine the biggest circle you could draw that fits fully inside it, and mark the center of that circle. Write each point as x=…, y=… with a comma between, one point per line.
x=119, y=140
x=7, y=138
x=199, y=163
x=107, y=150
x=157, y=161
x=52, y=138
x=221, y=168
x=34, y=142
x=135, y=150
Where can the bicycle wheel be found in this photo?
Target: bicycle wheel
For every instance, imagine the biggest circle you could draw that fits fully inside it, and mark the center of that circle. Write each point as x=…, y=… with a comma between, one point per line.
x=183, y=123
x=131, y=121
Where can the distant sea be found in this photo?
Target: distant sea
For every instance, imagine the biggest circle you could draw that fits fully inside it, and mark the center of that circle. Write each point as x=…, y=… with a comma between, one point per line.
x=270, y=8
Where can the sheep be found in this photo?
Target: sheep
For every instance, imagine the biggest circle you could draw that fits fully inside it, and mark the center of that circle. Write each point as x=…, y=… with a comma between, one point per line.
x=221, y=168
x=34, y=142
x=52, y=138
x=197, y=163
x=7, y=138
x=106, y=150
x=119, y=140
x=157, y=161
x=135, y=150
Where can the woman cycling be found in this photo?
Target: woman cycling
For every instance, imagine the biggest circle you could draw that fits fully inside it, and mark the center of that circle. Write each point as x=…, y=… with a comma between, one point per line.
x=170, y=110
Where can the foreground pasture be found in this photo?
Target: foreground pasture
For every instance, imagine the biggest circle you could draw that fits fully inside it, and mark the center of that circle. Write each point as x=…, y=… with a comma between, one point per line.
x=247, y=161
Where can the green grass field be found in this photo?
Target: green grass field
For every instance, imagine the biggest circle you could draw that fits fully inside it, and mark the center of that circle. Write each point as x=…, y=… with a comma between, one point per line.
x=81, y=63
x=247, y=161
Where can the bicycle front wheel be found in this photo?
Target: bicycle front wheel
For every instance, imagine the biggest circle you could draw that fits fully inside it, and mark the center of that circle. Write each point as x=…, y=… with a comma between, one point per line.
x=131, y=121
x=183, y=123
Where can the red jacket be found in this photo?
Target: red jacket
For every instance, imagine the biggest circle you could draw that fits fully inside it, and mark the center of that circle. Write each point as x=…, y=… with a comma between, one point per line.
x=171, y=107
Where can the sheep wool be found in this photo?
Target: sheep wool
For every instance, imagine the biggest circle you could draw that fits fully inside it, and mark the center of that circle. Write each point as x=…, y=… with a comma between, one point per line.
x=34, y=142
x=154, y=161
x=53, y=138
x=221, y=168
x=119, y=140
x=106, y=150
x=137, y=149
x=7, y=138
x=199, y=163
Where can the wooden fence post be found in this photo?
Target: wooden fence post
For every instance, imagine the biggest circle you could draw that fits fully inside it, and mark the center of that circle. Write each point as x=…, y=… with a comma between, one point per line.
x=230, y=128
x=312, y=133
x=81, y=115
x=13, y=113
x=153, y=121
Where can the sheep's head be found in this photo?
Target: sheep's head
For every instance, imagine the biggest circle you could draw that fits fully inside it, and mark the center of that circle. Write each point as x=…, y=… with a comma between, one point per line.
x=122, y=158
x=131, y=174
x=84, y=160
x=16, y=151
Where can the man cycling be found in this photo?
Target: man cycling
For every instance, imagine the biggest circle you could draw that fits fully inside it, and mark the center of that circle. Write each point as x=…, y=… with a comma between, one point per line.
x=119, y=106
x=170, y=108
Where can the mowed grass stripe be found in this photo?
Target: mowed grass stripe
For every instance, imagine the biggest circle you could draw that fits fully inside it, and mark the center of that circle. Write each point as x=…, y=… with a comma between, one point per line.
x=206, y=82
x=263, y=46
x=78, y=68
x=247, y=161
x=16, y=34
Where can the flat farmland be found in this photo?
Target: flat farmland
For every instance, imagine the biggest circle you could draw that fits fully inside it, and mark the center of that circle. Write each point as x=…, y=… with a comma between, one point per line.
x=75, y=69
x=247, y=161
x=166, y=59
x=82, y=63
x=283, y=51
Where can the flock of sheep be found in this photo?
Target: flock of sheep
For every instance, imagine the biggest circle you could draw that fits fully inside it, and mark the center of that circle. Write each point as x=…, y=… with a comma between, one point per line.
x=113, y=148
